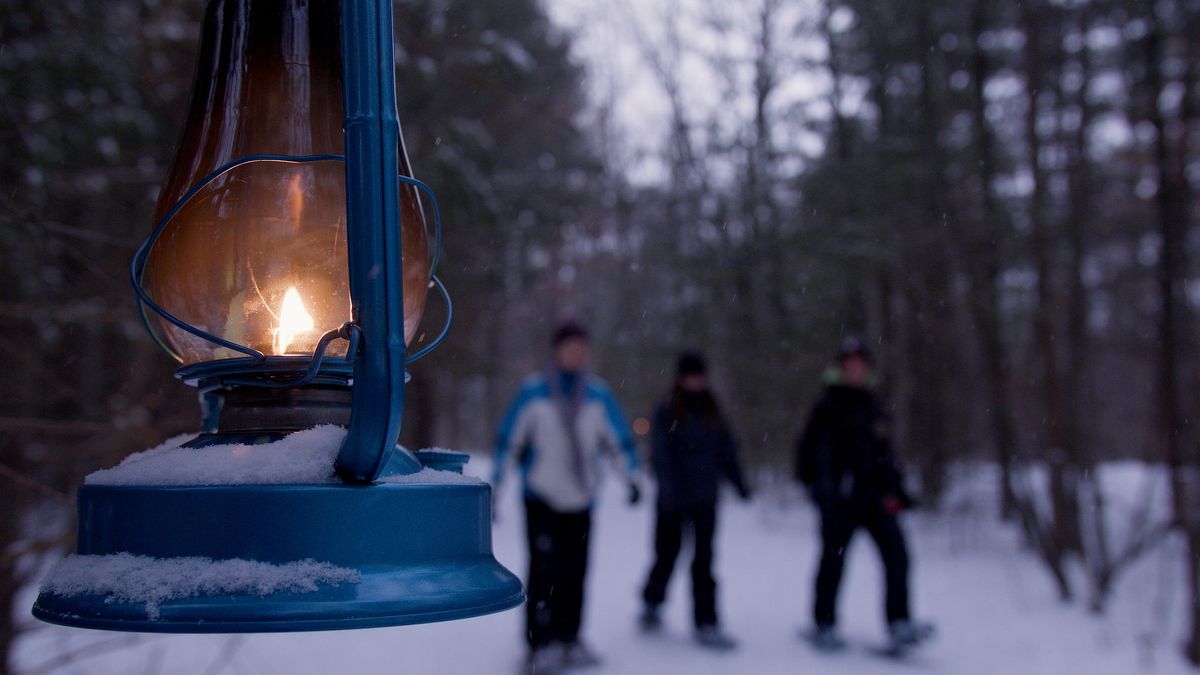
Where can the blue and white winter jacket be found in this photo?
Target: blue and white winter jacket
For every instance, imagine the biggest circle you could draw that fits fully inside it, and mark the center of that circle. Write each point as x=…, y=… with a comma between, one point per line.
x=534, y=433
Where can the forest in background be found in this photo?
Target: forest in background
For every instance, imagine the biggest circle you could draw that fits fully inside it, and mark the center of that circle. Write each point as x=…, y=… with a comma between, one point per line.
x=999, y=196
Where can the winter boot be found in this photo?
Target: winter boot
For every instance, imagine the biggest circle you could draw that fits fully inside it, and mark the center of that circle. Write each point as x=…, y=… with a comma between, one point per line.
x=906, y=634
x=714, y=638
x=826, y=639
x=651, y=619
x=578, y=655
x=546, y=660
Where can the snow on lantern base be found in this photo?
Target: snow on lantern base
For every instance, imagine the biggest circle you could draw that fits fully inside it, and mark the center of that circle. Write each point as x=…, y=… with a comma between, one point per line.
x=122, y=577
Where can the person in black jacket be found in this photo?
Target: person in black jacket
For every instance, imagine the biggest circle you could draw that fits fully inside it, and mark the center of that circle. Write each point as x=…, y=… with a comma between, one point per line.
x=693, y=449
x=845, y=459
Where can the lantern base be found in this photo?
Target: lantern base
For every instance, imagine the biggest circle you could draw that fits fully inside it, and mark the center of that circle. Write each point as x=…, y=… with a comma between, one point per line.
x=422, y=551
x=385, y=597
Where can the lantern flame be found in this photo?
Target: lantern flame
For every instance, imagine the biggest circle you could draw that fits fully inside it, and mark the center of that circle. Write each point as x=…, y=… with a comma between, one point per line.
x=294, y=321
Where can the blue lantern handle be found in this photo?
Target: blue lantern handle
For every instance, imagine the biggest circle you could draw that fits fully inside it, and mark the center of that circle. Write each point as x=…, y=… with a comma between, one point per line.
x=347, y=331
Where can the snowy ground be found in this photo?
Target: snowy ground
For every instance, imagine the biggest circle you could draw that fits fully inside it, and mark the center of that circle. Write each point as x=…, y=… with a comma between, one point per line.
x=995, y=610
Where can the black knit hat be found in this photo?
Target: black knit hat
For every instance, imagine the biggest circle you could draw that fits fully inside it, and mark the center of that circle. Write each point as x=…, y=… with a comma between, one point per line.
x=567, y=330
x=691, y=363
x=852, y=346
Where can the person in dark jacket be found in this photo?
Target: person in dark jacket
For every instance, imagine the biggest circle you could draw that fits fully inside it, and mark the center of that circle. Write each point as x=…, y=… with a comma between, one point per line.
x=844, y=457
x=693, y=449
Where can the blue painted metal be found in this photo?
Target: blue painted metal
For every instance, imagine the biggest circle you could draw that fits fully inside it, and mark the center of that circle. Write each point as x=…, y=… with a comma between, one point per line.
x=348, y=332
x=442, y=460
x=437, y=220
x=433, y=266
x=217, y=373
x=423, y=552
x=372, y=136
x=433, y=344
x=400, y=462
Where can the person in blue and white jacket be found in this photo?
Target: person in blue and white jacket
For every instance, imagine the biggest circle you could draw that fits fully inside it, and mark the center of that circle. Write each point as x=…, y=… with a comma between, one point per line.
x=559, y=429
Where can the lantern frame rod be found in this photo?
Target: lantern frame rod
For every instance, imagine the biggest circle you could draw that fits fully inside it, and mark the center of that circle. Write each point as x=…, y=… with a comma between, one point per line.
x=372, y=142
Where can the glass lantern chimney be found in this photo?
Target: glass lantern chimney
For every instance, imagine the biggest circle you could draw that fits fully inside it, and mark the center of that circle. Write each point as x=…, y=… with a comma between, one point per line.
x=259, y=255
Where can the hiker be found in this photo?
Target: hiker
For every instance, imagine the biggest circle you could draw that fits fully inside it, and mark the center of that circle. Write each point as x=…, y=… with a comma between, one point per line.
x=562, y=423
x=845, y=459
x=693, y=450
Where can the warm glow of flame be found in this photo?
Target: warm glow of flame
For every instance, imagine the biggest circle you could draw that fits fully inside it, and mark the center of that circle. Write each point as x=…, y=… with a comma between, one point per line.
x=294, y=321
x=297, y=205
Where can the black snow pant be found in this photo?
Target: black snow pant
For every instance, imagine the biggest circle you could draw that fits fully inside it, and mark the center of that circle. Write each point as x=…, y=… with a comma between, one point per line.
x=838, y=524
x=558, y=556
x=668, y=539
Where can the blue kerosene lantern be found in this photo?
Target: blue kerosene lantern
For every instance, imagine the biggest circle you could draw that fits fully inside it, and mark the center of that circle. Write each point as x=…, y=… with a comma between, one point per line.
x=287, y=273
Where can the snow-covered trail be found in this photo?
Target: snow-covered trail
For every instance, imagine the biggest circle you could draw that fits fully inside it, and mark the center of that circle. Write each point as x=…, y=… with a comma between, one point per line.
x=995, y=611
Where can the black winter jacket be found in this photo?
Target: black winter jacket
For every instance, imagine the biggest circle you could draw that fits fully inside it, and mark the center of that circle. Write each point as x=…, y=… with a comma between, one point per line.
x=690, y=456
x=845, y=451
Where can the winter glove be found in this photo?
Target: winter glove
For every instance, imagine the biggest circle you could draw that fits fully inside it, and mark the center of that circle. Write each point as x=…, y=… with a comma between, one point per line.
x=635, y=493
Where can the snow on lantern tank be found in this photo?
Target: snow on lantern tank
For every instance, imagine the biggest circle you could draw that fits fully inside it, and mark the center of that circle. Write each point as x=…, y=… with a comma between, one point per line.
x=303, y=457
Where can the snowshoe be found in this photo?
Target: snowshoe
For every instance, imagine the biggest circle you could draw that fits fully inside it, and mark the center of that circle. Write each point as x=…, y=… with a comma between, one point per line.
x=906, y=634
x=651, y=619
x=578, y=655
x=546, y=660
x=712, y=637
x=825, y=639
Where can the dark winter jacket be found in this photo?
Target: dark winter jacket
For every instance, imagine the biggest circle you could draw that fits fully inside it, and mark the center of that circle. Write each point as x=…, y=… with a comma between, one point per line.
x=845, y=452
x=691, y=452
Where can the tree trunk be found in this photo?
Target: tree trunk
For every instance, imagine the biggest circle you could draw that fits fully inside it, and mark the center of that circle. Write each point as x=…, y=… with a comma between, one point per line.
x=1053, y=440
x=934, y=357
x=13, y=507
x=983, y=271
x=1089, y=514
x=1170, y=152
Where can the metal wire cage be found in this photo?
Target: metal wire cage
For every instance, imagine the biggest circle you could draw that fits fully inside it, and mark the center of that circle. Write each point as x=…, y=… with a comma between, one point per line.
x=254, y=367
